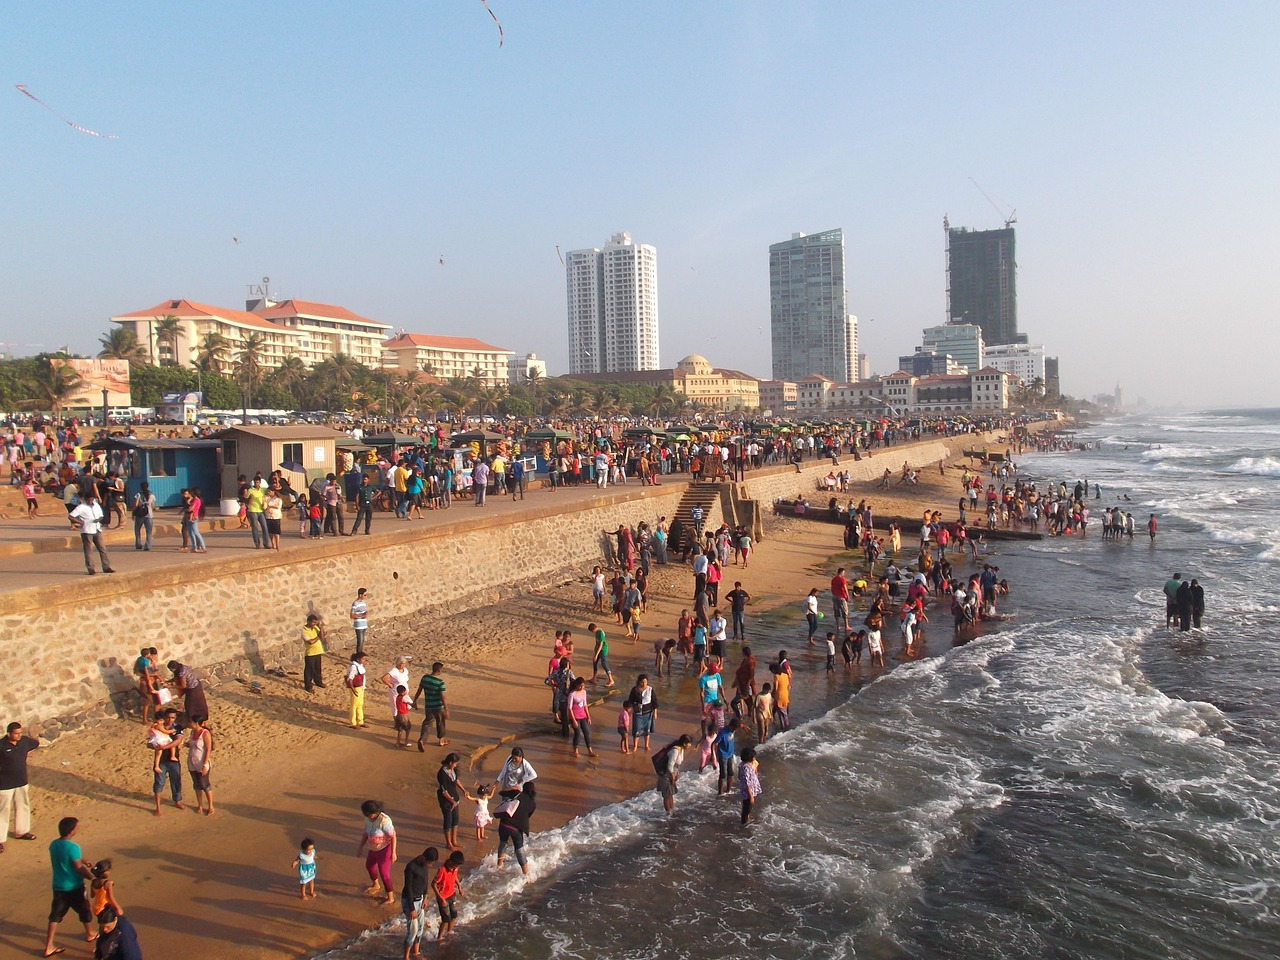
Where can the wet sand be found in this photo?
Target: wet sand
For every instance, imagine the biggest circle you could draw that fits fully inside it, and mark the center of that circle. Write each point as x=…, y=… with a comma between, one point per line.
x=287, y=765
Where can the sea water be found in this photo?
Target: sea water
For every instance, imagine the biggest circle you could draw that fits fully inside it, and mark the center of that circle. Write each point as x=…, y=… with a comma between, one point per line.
x=1077, y=782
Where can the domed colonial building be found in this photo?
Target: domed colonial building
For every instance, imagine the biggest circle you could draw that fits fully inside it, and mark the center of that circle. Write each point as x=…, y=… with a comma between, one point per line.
x=697, y=379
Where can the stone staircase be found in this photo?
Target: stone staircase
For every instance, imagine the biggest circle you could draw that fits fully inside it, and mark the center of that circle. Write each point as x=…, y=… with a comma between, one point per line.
x=706, y=496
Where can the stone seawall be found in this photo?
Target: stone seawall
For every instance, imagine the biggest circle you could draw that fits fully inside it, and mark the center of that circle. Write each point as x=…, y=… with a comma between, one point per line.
x=71, y=647
x=785, y=485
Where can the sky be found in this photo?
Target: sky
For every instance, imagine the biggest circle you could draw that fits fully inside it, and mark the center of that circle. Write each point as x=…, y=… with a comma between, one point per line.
x=349, y=147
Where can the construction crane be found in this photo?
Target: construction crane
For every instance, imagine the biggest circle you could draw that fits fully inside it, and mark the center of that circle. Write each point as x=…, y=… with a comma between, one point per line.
x=1010, y=220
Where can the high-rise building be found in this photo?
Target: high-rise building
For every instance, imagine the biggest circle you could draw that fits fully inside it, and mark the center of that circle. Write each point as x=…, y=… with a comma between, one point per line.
x=810, y=325
x=613, y=307
x=1022, y=361
x=964, y=341
x=982, y=283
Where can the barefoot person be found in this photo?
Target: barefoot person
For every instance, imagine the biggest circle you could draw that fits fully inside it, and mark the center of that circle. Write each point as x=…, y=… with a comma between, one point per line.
x=412, y=900
x=430, y=696
x=199, y=749
x=380, y=837
x=449, y=796
x=165, y=740
x=666, y=763
x=70, y=871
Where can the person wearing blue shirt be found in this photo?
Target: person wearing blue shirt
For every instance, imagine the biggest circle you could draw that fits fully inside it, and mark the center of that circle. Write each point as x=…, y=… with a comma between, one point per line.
x=723, y=746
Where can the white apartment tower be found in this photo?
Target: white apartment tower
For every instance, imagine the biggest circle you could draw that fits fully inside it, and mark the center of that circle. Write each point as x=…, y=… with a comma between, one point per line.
x=613, y=307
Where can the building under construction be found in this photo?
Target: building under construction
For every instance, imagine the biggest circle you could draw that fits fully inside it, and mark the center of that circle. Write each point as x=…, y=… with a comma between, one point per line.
x=982, y=285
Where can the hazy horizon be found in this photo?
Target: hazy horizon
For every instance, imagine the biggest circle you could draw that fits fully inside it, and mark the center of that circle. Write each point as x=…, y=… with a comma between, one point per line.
x=350, y=149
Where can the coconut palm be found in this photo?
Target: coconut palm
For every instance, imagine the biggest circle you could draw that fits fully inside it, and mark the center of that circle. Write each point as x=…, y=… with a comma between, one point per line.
x=121, y=343
x=425, y=399
x=661, y=400
x=168, y=330
x=557, y=405
x=250, y=366
x=489, y=398
x=401, y=391
x=213, y=354
x=52, y=385
x=292, y=376
x=536, y=381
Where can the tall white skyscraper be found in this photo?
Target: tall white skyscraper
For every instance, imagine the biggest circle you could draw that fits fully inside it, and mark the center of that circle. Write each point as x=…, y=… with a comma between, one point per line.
x=811, y=328
x=613, y=307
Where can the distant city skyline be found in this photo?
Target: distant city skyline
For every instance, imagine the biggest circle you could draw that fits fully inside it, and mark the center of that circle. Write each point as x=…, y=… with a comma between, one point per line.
x=424, y=177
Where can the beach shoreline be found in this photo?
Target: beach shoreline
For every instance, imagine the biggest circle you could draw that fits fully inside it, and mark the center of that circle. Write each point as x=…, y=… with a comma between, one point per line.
x=287, y=765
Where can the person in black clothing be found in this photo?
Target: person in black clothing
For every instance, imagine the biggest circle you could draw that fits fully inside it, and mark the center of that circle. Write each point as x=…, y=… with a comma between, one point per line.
x=1183, y=601
x=1197, y=603
x=13, y=783
x=412, y=896
x=449, y=795
x=513, y=822
x=117, y=939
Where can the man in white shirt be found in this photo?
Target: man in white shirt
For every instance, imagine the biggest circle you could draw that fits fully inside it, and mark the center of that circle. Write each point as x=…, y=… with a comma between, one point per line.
x=87, y=518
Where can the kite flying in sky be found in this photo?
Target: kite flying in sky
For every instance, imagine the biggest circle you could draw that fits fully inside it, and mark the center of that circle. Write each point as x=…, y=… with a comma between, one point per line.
x=495, y=20
x=22, y=89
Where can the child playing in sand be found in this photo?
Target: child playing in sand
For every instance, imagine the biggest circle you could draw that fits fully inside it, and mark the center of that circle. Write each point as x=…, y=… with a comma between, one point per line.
x=624, y=725
x=305, y=864
x=102, y=892
x=448, y=889
x=403, y=726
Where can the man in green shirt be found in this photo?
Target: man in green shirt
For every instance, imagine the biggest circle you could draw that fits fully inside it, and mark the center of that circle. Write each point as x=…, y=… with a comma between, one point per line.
x=600, y=655
x=70, y=872
x=430, y=696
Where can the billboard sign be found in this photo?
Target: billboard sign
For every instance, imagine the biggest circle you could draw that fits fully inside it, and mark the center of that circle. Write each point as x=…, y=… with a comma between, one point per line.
x=96, y=376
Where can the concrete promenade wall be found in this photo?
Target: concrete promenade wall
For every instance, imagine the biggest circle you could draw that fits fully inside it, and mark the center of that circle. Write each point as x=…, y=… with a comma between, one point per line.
x=786, y=484
x=70, y=648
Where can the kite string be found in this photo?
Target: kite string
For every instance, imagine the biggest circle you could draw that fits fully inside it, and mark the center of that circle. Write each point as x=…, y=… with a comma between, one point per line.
x=495, y=20
x=22, y=88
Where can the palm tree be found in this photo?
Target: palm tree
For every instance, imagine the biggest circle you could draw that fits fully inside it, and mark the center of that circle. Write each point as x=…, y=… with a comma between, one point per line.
x=292, y=376
x=250, y=367
x=489, y=398
x=401, y=389
x=214, y=353
x=52, y=385
x=605, y=404
x=426, y=397
x=121, y=344
x=169, y=330
x=557, y=405
x=661, y=400
x=534, y=378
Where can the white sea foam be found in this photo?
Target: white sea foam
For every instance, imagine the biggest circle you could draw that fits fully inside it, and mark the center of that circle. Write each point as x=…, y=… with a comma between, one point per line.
x=1173, y=451
x=1256, y=466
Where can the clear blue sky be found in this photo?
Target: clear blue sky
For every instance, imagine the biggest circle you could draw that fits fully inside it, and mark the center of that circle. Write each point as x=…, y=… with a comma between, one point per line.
x=349, y=146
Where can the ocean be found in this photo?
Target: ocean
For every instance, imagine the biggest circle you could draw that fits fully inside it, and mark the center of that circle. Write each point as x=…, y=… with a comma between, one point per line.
x=1076, y=782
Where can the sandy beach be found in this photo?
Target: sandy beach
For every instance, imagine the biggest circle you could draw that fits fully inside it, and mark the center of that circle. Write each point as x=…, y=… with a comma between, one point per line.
x=287, y=765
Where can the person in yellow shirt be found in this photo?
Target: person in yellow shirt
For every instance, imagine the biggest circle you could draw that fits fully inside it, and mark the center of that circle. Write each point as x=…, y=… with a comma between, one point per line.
x=782, y=699
x=312, y=651
x=399, y=479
